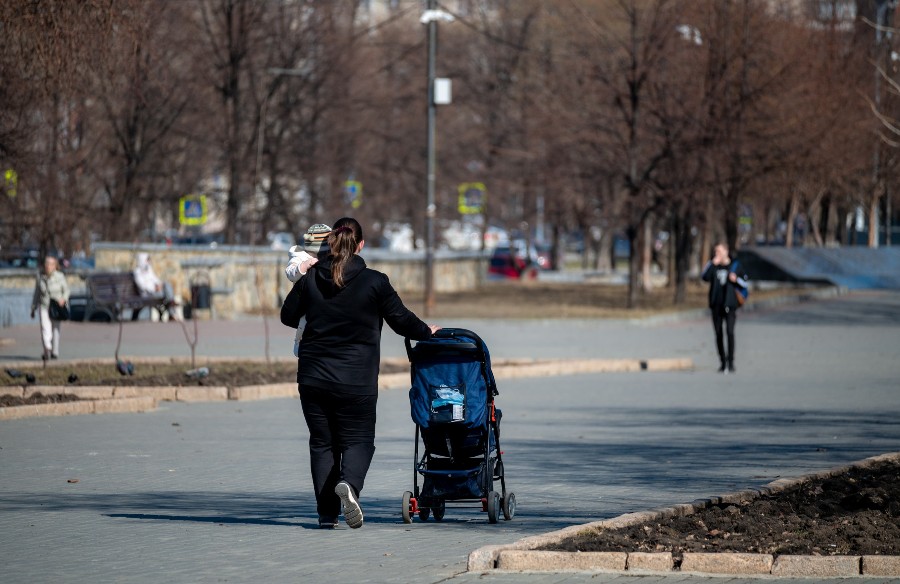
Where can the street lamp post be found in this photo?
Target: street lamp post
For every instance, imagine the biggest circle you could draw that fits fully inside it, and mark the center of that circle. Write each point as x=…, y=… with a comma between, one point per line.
x=430, y=18
x=430, y=208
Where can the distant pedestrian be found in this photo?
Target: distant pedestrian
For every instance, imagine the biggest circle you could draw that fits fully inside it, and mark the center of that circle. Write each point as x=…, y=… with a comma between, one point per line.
x=345, y=304
x=721, y=273
x=151, y=285
x=51, y=287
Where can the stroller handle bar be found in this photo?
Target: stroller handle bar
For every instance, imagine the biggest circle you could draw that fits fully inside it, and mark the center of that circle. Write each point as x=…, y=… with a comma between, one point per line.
x=451, y=333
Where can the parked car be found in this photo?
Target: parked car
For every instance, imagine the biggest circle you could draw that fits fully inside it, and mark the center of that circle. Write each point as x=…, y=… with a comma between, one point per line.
x=506, y=263
x=539, y=254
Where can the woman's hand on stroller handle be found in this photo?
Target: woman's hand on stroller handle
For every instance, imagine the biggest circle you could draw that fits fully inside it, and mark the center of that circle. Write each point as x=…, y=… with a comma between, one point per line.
x=434, y=328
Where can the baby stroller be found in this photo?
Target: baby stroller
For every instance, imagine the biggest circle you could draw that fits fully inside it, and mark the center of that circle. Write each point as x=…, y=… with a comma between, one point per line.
x=452, y=403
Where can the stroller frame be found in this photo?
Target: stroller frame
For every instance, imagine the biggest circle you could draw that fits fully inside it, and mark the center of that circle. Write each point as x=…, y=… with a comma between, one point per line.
x=459, y=344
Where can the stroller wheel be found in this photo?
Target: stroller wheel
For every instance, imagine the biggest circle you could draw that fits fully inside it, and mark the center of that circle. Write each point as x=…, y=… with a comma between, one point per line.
x=424, y=513
x=438, y=508
x=509, y=506
x=493, y=506
x=408, y=503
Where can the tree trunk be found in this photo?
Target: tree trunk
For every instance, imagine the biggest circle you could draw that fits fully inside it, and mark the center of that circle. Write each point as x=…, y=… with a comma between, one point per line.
x=631, y=233
x=646, y=254
x=873, y=216
x=815, y=216
x=706, y=240
x=604, y=252
x=831, y=223
x=51, y=193
x=682, y=244
x=730, y=220
x=791, y=217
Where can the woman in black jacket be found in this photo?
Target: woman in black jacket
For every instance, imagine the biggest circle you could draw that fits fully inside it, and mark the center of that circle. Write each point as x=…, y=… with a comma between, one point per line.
x=345, y=304
x=721, y=273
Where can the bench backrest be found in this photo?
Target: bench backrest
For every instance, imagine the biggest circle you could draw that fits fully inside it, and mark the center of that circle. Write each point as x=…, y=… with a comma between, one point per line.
x=112, y=286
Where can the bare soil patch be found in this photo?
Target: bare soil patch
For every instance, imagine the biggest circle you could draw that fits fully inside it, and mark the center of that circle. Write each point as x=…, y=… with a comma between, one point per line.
x=222, y=373
x=855, y=513
x=536, y=299
x=7, y=400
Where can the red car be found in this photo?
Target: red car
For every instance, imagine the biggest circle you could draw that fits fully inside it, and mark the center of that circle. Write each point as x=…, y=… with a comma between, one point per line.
x=509, y=265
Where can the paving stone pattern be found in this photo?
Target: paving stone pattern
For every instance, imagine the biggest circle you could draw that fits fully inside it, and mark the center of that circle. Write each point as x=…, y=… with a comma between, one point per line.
x=220, y=491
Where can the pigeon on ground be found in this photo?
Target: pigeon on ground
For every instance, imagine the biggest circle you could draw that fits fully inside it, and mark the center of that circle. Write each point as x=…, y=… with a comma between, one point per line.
x=125, y=367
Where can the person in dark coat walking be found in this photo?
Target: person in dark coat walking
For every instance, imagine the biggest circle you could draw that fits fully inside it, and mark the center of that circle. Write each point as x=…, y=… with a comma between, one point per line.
x=721, y=273
x=345, y=304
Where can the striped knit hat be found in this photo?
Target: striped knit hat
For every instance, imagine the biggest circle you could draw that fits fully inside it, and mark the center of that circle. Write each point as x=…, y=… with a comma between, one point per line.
x=314, y=238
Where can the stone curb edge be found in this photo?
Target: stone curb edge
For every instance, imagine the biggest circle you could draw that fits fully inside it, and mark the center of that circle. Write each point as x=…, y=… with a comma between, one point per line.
x=523, y=555
x=95, y=394
x=89, y=406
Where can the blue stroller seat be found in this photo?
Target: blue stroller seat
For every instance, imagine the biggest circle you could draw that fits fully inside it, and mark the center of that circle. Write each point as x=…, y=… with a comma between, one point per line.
x=452, y=405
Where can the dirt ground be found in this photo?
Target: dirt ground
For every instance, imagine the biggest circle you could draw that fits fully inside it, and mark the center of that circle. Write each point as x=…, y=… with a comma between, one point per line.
x=225, y=373
x=856, y=513
x=513, y=299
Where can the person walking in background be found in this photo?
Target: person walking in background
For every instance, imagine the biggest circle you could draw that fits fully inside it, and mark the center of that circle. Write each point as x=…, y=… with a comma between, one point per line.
x=345, y=304
x=721, y=273
x=51, y=286
x=151, y=285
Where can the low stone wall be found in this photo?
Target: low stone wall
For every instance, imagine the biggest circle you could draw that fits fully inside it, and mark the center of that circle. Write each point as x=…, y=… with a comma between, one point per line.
x=245, y=279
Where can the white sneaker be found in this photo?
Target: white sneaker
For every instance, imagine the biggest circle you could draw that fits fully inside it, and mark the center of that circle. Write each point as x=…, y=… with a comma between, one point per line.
x=353, y=514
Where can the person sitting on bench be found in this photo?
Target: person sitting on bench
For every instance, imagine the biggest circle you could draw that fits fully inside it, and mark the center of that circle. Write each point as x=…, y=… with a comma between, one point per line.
x=151, y=285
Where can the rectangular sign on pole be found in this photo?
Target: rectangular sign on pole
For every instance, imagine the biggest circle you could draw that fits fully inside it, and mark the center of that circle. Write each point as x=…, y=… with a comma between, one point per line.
x=192, y=210
x=442, y=91
x=471, y=198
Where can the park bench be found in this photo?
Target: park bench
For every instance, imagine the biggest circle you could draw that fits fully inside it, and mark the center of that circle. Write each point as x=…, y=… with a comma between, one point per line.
x=113, y=292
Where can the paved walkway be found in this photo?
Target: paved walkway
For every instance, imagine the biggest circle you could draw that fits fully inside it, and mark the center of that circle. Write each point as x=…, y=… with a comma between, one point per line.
x=220, y=491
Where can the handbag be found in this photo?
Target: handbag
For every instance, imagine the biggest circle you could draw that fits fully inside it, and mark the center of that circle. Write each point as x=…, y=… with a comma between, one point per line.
x=58, y=311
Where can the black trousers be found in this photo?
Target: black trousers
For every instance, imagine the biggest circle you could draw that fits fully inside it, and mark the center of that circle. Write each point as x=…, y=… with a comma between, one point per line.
x=721, y=314
x=341, y=442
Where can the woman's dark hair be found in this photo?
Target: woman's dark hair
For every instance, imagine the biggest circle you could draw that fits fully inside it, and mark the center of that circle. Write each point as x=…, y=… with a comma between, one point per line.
x=344, y=239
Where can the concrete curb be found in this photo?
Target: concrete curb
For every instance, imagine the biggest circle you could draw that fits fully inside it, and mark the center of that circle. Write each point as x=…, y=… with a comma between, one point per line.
x=87, y=406
x=201, y=393
x=524, y=554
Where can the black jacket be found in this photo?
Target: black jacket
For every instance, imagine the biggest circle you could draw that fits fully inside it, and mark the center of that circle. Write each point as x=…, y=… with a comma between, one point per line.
x=722, y=290
x=341, y=343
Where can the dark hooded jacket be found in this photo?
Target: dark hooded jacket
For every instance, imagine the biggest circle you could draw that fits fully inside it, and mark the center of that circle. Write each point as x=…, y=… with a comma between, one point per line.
x=722, y=292
x=341, y=344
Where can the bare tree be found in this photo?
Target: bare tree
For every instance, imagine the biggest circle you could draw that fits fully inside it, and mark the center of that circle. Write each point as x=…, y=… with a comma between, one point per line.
x=141, y=93
x=48, y=48
x=231, y=31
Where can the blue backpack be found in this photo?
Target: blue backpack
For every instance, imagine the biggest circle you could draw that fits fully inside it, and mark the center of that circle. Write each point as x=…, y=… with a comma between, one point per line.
x=742, y=293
